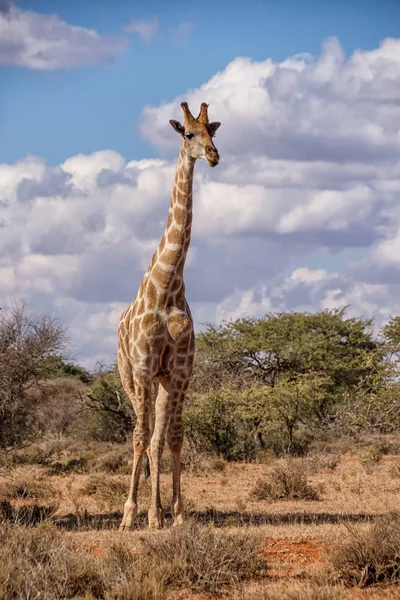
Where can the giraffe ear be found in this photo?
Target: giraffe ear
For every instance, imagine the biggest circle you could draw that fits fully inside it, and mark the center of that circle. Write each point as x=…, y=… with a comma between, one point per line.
x=177, y=126
x=212, y=127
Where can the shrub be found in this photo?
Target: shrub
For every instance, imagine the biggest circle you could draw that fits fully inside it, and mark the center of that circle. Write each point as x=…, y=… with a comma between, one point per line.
x=41, y=563
x=28, y=514
x=28, y=346
x=284, y=483
x=110, y=416
x=75, y=465
x=26, y=484
x=194, y=460
x=212, y=424
x=370, y=455
x=111, y=490
x=218, y=464
x=301, y=593
x=205, y=559
x=370, y=556
x=115, y=462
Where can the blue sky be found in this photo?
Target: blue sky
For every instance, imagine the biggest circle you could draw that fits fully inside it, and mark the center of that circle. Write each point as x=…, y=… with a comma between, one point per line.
x=303, y=211
x=59, y=113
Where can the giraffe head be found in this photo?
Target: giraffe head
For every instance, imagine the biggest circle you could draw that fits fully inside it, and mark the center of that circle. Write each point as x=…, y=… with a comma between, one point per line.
x=197, y=134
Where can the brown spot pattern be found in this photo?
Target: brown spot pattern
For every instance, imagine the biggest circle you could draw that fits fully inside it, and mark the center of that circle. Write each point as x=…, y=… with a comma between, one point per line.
x=156, y=339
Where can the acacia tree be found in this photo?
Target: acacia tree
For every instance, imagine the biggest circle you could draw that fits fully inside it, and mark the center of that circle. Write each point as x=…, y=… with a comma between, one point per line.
x=112, y=415
x=376, y=403
x=282, y=409
x=30, y=344
x=291, y=343
x=286, y=371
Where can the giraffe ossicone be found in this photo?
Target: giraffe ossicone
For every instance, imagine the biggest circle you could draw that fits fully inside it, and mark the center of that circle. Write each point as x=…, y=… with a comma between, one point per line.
x=156, y=340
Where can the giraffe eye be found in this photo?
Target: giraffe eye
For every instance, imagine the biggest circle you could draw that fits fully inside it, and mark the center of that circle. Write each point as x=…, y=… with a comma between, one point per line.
x=189, y=136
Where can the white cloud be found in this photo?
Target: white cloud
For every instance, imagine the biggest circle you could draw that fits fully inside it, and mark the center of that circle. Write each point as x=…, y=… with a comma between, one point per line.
x=146, y=28
x=311, y=290
x=330, y=209
x=182, y=30
x=308, y=169
x=329, y=109
x=45, y=42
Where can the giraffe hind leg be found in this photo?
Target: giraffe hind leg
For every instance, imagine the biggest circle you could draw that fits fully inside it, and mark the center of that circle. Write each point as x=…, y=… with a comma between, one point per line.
x=137, y=392
x=175, y=443
x=162, y=415
x=147, y=461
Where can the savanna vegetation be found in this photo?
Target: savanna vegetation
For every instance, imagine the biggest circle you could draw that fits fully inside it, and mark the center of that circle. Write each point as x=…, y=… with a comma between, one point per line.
x=291, y=465
x=280, y=384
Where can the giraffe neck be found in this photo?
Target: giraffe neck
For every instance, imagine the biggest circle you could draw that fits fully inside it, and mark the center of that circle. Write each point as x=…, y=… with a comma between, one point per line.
x=168, y=262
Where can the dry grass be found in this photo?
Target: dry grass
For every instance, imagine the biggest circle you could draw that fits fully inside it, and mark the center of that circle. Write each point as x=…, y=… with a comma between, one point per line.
x=284, y=483
x=395, y=469
x=42, y=454
x=370, y=456
x=27, y=514
x=65, y=456
x=218, y=464
x=108, y=491
x=386, y=443
x=39, y=563
x=90, y=488
x=75, y=465
x=205, y=559
x=43, y=564
x=371, y=556
x=27, y=483
x=313, y=464
x=114, y=462
x=300, y=592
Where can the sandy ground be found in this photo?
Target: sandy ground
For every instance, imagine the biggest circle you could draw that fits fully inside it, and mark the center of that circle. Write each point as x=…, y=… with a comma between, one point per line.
x=296, y=533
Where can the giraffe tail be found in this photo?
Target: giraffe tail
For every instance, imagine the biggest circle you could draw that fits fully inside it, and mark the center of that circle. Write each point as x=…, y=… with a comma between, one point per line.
x=146, y=466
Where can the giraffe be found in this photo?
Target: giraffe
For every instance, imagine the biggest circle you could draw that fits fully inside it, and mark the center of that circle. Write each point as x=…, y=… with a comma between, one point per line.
x=156, y=340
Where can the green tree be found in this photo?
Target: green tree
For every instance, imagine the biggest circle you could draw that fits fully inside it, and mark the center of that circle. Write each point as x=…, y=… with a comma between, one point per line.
x=375, y=404
x=30, y=344
x=112, y=414
x=291, y=343
x=282, y=409
x=212, y=423
x=61, y=368
x=287, y=371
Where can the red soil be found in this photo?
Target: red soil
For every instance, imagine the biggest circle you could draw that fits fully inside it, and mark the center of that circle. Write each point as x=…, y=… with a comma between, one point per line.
x=289, y=557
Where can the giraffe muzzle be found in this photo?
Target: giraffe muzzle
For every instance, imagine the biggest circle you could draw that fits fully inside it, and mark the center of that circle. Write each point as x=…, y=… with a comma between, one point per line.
x=212, y=157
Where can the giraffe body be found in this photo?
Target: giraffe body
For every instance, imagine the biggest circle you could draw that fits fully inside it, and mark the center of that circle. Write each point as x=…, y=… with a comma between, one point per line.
x=156, y=340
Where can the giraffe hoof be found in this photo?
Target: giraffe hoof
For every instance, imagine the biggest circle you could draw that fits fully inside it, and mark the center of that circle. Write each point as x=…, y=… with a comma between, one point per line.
x=178, y=521
x=125, y=525
x=177, y=512
x=156, y=519
x=130, y=512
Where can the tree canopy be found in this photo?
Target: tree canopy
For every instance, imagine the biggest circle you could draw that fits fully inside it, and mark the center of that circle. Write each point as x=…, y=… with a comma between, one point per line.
x=287, y=371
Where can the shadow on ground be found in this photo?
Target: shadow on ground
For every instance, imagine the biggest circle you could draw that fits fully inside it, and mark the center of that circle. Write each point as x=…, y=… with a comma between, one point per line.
x=27, y=514
x=34, y=514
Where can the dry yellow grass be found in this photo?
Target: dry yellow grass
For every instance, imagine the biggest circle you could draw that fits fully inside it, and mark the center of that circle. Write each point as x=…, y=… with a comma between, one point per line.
x=293, y=533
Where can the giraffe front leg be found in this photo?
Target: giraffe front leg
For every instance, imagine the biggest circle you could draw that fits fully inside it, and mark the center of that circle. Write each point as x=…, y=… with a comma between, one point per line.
x=130, y=506
x=162, y=416
x=177, y=502
x=141, y=440
x=175, y=443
